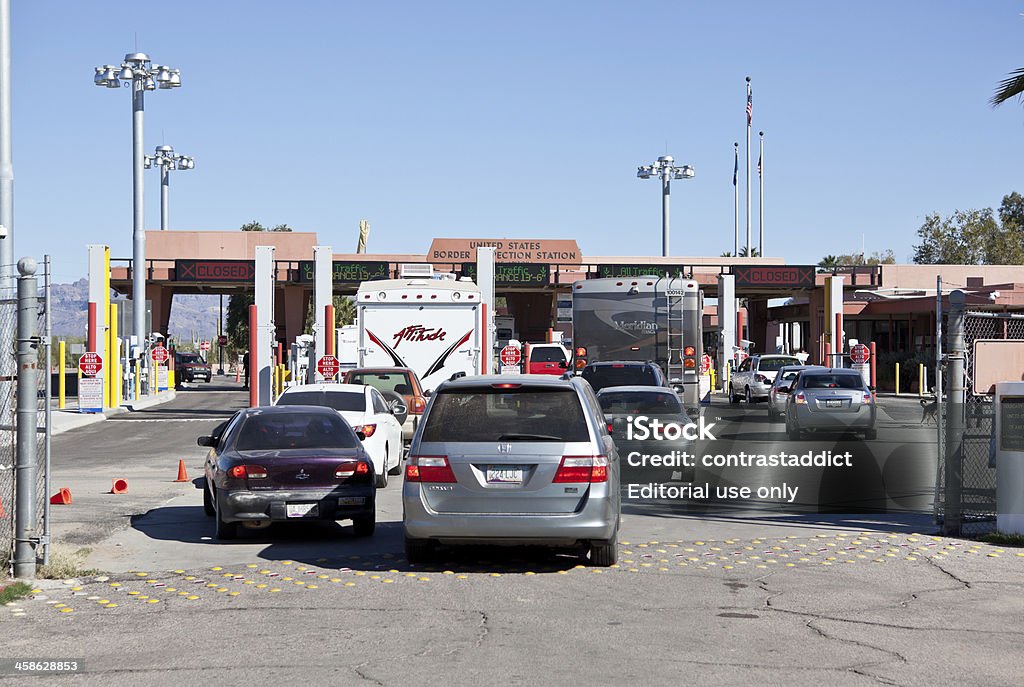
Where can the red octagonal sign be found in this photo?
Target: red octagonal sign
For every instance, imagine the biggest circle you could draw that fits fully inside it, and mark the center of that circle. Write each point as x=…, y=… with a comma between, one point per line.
x=328, y=366
x=510, y=356
x=90, y=364
x=860, y=354
x=159, y=354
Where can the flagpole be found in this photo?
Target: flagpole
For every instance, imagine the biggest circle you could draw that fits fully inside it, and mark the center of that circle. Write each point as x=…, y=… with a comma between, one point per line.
x=760, y=192
x=750, y=112
x=736, y=194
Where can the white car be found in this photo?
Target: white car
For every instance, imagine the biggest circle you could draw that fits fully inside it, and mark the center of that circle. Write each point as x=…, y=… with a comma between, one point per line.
x=365, y=409
x=753, y=380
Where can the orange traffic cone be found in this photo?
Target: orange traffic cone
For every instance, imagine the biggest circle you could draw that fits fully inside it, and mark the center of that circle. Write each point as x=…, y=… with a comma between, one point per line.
x=120, y=486
x=182, y=475
x=62, y=497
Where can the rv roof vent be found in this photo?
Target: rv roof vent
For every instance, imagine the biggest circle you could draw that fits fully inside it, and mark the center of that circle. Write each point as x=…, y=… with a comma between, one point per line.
x=418, y=270
x=444, y=276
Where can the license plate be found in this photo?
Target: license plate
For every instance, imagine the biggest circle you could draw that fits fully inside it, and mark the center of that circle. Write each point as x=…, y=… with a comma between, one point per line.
x=833, y=403
x=301, y=510
x=504, y=474
x=351, y=500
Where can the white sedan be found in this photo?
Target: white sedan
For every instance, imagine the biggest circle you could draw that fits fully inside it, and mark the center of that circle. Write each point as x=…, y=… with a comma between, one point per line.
x=365, y=409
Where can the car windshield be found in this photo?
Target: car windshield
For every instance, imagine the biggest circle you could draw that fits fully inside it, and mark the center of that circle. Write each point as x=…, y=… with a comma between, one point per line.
x=383, y=381
x=339, y=400
x=602, y=376
x=548, y=354
x=189, y=358
x=281, y=431
x=525, y=414
x=775, y=364
x=639, y=402
x=832, y=381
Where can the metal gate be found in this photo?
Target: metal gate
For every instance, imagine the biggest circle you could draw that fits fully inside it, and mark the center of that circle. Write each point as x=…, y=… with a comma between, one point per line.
x=8, y=416
x=974, y=511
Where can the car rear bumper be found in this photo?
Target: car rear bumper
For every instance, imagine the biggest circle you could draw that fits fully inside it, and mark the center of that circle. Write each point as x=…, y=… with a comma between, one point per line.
x=863, y=418
x=332, y=504
x=596, y=520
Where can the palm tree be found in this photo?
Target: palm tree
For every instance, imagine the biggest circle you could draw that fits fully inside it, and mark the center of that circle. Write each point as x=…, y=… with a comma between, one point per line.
x=745, y=252
x=1011, y=86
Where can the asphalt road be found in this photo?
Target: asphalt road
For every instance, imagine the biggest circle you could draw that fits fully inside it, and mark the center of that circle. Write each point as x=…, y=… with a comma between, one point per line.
x=744, y=594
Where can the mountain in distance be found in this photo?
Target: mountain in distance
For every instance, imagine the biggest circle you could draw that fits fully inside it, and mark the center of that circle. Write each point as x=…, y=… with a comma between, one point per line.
x=189, y=313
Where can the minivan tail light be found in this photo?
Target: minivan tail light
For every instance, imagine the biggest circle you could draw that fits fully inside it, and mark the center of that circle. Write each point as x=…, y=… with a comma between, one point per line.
x=249, y=471
x=419, y=404
x=576, y=469
x=429, y=469
x=800, y=399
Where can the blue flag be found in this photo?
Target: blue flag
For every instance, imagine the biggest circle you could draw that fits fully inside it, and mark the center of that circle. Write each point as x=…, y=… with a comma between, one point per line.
x=736, y=169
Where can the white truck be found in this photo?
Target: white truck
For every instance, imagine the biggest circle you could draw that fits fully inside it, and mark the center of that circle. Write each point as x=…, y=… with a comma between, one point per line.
x=433, y=326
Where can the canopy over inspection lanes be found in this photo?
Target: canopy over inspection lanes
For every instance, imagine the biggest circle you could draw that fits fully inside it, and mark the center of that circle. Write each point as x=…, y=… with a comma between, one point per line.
x=531, y=274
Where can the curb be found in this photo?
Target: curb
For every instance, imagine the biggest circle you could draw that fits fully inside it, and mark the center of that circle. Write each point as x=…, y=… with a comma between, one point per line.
x=67, y=420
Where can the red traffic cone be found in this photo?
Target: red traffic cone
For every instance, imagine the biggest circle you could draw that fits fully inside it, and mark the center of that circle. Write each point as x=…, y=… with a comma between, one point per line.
x=182, y=474
x=120, y=486
x=62, y=497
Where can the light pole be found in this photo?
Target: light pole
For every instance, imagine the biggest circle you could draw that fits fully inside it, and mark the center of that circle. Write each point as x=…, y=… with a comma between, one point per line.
x=142, y=75
x=664, y=168
x=166, y=160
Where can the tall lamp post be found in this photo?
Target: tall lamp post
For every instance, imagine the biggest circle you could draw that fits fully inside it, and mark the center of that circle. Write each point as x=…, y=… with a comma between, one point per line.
x=166, y=160
x=663, y=167
x=142, y=75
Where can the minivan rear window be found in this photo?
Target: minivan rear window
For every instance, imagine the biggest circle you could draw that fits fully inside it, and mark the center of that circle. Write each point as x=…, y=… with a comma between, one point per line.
x=489, y=414
x=775, y=364
x=628, y=375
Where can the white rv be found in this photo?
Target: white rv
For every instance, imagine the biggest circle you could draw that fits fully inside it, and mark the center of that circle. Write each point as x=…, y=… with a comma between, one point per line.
x=433, y=326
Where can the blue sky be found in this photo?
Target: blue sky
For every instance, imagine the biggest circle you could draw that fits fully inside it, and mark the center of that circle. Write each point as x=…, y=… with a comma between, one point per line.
x=522, y=119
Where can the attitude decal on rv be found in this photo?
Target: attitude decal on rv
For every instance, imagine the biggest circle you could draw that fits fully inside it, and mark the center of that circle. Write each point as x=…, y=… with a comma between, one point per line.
x=417, y=332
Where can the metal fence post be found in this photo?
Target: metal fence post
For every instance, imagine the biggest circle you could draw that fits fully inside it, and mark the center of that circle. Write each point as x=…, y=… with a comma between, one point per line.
x=25, y=534
x=954, y=420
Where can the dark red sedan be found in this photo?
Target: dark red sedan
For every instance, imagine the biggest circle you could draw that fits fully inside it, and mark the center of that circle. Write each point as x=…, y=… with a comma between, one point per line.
x=286, y=464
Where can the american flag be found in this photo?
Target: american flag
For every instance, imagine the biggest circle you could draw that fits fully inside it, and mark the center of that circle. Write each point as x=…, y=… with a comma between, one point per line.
x=750, y=107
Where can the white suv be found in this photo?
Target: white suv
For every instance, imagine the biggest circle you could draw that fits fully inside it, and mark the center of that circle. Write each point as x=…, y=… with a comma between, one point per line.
x=754, y=378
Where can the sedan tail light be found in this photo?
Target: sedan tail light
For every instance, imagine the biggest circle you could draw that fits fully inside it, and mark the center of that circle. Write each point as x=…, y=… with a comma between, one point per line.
x=576, y=469
x=800, y=399
x=367, y=430
x=248, y=471
x=346, y=470
x=429, y=469
x=866, y=398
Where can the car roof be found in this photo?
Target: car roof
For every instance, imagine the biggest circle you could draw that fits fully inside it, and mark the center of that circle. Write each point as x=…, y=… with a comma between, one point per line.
x=801, y=367
x=279, y=410
x=633, y=388
x=328, y=387
x=601, y=363
x=524, y=380
x=835, y=370
x=380, y=369
x=774, y=355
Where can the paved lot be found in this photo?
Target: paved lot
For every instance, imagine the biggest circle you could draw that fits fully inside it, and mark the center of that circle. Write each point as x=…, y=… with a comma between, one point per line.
x=740, y=596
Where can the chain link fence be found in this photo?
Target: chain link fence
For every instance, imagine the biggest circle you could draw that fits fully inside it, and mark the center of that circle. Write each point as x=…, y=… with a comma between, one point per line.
x=977, y=501
x=9, y=418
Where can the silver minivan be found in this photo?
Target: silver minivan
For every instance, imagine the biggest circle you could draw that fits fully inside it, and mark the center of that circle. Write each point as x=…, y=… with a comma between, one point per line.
x=509, y=460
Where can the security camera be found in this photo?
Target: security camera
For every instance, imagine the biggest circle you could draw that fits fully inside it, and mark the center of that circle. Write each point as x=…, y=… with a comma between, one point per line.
x=994, y=295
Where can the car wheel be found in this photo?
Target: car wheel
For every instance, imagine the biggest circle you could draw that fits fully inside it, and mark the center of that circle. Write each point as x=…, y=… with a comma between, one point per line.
x=364, y=527
x=381, y=480
x=871, y=434
x=208, y=501
x=420, y=551
x=748, y=397
x=605, y=553
x=733, y=398
x=225, y=530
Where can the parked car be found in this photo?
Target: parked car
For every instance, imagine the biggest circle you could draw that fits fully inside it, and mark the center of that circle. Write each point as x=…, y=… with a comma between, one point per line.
x=365, y=409
x=190, y=367
x=286, y=464
x=394, y=382
x=779, y=391
x=830, y=400
x=512, y=459
x=754, y=377
x=624, y=373
x=546, y=359
x=621, y=403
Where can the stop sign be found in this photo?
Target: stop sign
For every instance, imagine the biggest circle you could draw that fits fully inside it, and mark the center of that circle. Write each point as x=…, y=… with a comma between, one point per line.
x=510, y=356
x=90, y=364
x=328, y=366
x=204, y=345
x=159, y=354
x=860, y=354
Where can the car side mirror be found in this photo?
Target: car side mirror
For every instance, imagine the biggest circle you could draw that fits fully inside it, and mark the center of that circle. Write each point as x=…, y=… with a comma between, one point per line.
x=206, y=440
x=871, y=388
x=359, y=433
x=563, y=365
x=428, y=392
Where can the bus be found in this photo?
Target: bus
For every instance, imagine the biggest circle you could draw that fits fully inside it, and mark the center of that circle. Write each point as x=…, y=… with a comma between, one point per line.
x=649, y=318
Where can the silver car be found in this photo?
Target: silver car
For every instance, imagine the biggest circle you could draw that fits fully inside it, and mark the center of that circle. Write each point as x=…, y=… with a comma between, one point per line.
x=512, y=459
x=779, y=392
x=835, y=400
x=755, y=375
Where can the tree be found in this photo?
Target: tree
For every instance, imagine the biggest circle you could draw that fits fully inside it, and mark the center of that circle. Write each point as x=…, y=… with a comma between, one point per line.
x=969, y=237
x=745, y=252
x=829, y=262
x=1010, y=87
